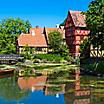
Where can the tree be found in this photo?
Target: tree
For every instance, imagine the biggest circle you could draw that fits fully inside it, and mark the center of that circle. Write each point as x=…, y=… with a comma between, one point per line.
x=14, y=26
x=55, y=41
x=9, y=31
x=28, y=52
x=85, y=48
x=7, y=43
x=58, y=45
x=95, y=23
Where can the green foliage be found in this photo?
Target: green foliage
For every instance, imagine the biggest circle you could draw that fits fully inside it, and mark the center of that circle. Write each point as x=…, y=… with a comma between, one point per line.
x=9, y=31
x=52, y=58
x=85, y=48
x=14, y=26
x=48, y=57
x=9, y=89
x=97, y=67
x=7, y=43
x=84, y=45
x=58, y=45
x=95, y=22
x=64, y=52
x=28, y=72
x=28, y=52
x=55, y=41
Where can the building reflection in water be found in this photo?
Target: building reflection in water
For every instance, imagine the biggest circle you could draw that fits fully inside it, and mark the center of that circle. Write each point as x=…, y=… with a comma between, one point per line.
x=73, y=93
x=32, y=83
x=79, y=95
x=40, y=83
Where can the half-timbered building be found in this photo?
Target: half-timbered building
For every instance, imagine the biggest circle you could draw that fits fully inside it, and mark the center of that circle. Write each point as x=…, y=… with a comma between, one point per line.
x=75, y=31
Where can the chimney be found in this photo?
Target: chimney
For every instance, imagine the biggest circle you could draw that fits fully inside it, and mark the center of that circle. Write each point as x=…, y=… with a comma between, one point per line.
x=57, y=25
x=33, y=32
x=37, y=26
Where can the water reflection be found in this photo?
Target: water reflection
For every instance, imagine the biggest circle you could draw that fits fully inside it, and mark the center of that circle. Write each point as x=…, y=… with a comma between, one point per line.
x=9, y=89
x=79, y=95
x=32, y=83
x=69, y=89
x=40, y=83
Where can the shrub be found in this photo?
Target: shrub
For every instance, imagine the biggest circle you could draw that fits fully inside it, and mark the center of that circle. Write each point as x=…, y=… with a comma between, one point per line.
x=97, y=67
x=49, y=57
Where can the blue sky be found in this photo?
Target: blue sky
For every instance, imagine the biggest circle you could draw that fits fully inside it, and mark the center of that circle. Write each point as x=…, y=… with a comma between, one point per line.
x=41, y=12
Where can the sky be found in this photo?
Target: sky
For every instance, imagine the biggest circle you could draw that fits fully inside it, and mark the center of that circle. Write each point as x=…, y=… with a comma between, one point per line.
x=46, y=13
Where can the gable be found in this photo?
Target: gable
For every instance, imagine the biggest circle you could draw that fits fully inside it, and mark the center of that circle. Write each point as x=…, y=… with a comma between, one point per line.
x=36, y=39
x=69, y=21
x=78, y=18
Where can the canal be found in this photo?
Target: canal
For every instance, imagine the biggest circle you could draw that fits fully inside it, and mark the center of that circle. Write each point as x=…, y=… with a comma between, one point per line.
x=57, y=88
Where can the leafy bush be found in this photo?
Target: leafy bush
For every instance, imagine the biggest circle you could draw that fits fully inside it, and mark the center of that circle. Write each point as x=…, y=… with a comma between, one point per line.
x=97, y=67
x=48, y=57
x=55, y=41
x=100, y=67
x=27, y=53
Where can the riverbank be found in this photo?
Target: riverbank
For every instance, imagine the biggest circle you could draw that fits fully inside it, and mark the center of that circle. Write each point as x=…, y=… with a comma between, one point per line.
x=46, y=68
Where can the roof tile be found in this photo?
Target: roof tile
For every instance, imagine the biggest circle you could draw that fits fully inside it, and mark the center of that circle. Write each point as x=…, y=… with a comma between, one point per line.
x=33, y=40
x=78, y=18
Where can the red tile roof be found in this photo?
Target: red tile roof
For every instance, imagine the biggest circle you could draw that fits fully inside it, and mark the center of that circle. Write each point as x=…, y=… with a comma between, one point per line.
x=62, y=31
x=78, y=18
x=36, y=38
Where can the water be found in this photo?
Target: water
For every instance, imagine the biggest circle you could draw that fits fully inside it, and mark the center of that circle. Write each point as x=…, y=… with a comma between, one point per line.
x=52, y=89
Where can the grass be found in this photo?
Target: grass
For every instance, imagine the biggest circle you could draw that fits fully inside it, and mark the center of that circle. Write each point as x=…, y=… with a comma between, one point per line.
x=58, y=69
x=54, y=67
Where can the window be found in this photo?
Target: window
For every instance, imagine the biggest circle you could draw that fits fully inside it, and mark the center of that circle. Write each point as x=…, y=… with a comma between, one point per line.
x=38, y=49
